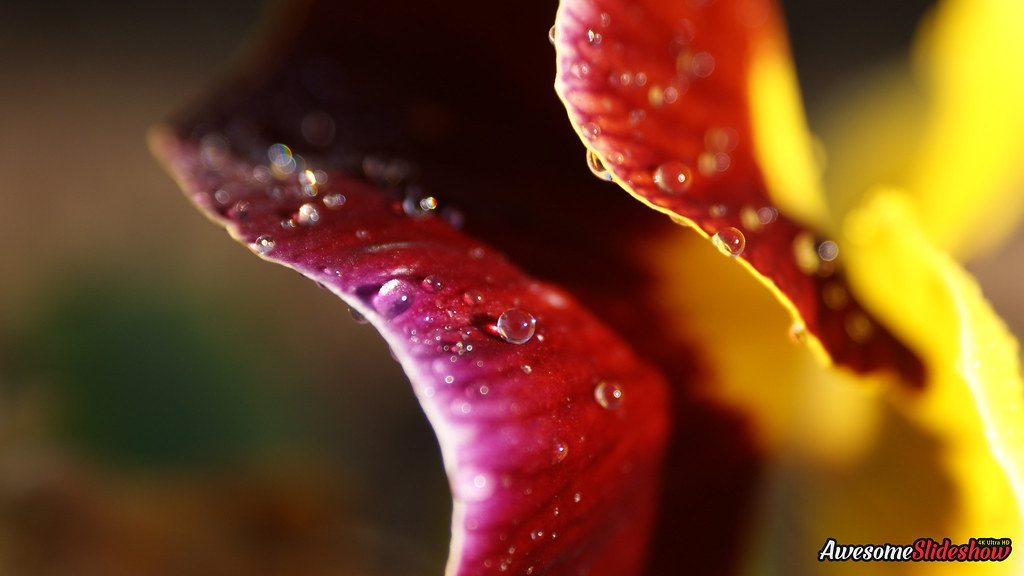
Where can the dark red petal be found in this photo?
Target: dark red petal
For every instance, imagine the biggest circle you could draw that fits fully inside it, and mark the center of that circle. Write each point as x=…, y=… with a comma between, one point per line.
x=551, y=428
x=658, y=91
x=441, y=99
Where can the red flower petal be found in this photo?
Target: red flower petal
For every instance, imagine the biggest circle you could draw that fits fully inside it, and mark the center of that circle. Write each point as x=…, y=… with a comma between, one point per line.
x=552, y=429
x=470, y=118
x=658, y=91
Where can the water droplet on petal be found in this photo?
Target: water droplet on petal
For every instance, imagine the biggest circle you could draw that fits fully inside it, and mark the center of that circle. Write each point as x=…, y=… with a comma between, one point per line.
x=596, y=167
x=307, y=179
x=551, y=35
x=594, y=38
x=536, y=534
x=393, y=298
x=828, y=250
x=214, y=149
x=432, y=284
x=333, y=201
x=591, y=130
x=357, y=317
x=702, y=64
x=281, y=158
x=767, y=214
x=516, y=326
x=730, y=241
x=264, y=244
x=472, y=297
x=577, y=497
x=608, y=395
x=798, y=333
x=308, y=215
x=673, y=177
x=559, y=451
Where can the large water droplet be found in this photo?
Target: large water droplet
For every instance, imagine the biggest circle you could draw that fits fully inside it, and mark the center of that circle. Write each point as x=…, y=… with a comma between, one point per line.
x=551, y=35
x=730, y=241
x=393, y=298
x=597, y=167
x=264, y=244
x=516, y=326
x=308, y=215
x=608, y=394
x=673, y=177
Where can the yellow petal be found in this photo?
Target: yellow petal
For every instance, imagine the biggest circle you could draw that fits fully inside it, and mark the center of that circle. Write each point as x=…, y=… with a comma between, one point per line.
x=968, y=176
x=863, y=460
x=782, y=142
x=971, y=405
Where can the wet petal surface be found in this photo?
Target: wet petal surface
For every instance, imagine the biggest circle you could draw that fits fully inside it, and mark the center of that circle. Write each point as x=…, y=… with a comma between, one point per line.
x=661, y=93
x=551, y=428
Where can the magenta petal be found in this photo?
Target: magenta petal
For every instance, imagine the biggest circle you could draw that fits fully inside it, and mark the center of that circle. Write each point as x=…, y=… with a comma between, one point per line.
x=551, y=428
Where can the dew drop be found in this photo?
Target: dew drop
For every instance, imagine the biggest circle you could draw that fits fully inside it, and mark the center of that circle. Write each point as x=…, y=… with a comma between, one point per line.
x=828, y=250
x=536, y=534
x=357, y=317
x=214, y=149
x=393, y=298
x=608, y=395
x=559, y=451
x=551, y=35
x=281, y=158
x=432, y=284
x=594, y=38
x=730, y=241
x=417, y=205
x=702, y=64
x=222, y=196
x=673, y=177
x=767, y=214
x=597, y=167
x=516, y=326
x=577, y=497
x=264, y=244
x=591, y=130
x=798, y=333
x=307, y=179
x=472, y=297
x=333, y=201
x=308, y=215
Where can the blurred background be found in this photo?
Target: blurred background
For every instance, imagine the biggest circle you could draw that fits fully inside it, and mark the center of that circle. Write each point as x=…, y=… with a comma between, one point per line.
x=170, y=404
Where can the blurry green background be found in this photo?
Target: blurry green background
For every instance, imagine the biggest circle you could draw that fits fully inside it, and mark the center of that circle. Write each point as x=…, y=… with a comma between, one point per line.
x=170, y=404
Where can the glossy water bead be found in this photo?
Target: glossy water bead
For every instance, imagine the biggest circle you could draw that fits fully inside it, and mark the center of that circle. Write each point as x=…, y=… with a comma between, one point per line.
x=673, y=177
x=608, y=395
x=730, y=241
x=516, y=326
